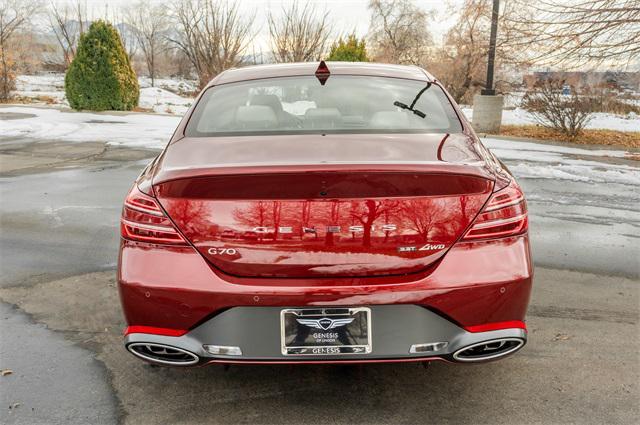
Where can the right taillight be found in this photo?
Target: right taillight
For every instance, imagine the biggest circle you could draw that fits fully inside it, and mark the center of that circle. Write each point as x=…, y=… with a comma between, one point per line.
x=143, y=220
x=505, y=214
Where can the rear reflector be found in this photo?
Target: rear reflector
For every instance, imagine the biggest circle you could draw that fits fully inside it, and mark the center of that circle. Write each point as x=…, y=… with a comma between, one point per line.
x=496, y=326
x=143, y=220
x=153, y=331
x=504, y=215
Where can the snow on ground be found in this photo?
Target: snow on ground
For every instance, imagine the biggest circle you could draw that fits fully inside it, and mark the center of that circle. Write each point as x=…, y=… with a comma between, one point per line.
x=602, y=120
x=36, y=86
x=547, y=161
x=44, y=82
x=161, y=99
x=179, y=86
x=131, y=129
x=530, y=151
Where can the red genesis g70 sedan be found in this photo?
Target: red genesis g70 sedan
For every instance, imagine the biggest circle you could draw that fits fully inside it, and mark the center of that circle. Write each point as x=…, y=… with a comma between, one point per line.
x=324, y=213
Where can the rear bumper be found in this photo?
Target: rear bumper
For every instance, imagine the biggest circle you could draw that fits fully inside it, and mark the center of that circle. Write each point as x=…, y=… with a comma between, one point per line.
x=395, y=329
x=475, y=284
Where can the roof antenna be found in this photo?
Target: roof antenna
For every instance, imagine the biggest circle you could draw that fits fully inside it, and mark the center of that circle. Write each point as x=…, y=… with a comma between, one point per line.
x=322, y=73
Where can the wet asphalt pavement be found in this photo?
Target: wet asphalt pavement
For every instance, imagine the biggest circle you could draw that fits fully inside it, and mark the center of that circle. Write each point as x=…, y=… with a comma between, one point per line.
x=61, y=320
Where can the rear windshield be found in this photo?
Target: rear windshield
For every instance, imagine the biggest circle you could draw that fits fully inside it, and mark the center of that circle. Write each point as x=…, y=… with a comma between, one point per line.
x=344, y=104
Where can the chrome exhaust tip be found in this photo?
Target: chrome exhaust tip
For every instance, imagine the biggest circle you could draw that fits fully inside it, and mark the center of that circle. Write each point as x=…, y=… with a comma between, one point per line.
x=162, y=354
x=489, y=350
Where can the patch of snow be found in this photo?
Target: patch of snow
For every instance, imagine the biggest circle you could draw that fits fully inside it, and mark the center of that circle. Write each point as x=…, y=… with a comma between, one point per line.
x=538, y=151
x=178, y=86
x=630, y=122
x=42, y=86
x=579, y=173
x=599, y=120
x=133, y=129
x=163, y=101
x=45, y=82
x=162, y=98
x=635, y=102
x=546, y=161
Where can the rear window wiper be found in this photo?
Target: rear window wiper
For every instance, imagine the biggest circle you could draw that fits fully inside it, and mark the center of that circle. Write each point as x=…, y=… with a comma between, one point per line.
x=418, y=112
x=411, y=108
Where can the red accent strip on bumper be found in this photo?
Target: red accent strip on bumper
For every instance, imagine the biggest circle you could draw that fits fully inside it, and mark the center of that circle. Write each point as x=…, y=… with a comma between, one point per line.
x=323, y=362
x=497, y=326
x=155, y=331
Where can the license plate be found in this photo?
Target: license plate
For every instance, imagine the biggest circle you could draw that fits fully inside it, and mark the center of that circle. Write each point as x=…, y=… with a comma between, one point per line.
x=325, y=331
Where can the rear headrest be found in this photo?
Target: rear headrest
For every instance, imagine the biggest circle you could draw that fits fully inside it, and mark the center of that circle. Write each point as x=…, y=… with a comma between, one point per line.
x=322, y=118
x=390, y=119
x=267, y=100
x=256, y=117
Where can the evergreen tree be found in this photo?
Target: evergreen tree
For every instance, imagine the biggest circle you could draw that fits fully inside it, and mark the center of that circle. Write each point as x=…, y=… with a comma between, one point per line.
x=349, y=50
x=100, y=76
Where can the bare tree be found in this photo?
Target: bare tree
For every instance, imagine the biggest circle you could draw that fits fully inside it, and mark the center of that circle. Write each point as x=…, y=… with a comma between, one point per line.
x=367, y=213
x=68, y=24
x=129, y=38
x=14, y=15
x=211, y=34
x=566, y=113
x=299, y=34
x=175, y=62
x=399, y=31
x=149, y=25
x=424, y=216
x=461, y=62
x=579, y=33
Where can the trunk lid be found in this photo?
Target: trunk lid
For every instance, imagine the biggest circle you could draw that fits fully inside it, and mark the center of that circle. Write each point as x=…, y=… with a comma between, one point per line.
x=324, y=205
x=324, y=224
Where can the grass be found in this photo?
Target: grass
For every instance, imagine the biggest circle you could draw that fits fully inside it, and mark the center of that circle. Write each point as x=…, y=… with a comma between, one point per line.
x=141, y=109
x=587, y=137
x=26, y=100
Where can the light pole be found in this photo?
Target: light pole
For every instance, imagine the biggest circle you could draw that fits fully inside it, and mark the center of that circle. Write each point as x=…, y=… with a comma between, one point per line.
x=489, y=90
x=487, y=106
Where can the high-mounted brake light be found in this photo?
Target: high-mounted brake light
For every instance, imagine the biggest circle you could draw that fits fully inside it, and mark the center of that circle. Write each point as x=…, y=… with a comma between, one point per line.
x=143, y=220
x=504, y=215
x=323, y=73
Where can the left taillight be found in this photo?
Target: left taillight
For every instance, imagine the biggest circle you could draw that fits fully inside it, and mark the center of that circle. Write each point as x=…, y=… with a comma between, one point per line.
x=143, y=220
x=505, y=214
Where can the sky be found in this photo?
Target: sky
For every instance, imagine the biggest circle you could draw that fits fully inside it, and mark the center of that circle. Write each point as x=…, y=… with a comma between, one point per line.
x=347, y=15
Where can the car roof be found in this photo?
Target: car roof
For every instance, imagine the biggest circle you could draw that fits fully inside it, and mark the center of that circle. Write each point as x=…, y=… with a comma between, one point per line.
x=256, y=72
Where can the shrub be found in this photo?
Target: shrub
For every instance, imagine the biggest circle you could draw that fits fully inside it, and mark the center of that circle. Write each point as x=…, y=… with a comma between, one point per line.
x=100, y=76
x=609, y=101
x=349, y=50
x=566, y=113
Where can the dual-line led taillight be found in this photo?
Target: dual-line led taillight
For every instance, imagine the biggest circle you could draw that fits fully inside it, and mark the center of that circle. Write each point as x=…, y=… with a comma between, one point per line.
x=143, y=220
x=504, y=215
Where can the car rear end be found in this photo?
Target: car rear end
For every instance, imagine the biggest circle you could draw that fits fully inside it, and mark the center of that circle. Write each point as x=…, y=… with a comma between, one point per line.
x=352, y=218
